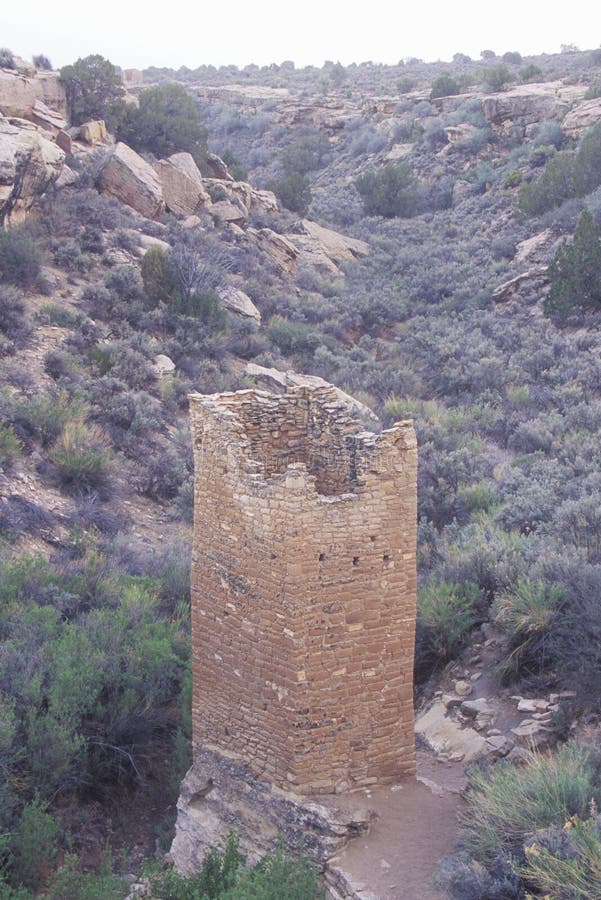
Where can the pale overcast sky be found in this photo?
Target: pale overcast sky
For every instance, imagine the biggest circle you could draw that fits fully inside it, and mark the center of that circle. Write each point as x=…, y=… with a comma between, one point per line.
x=135, y=34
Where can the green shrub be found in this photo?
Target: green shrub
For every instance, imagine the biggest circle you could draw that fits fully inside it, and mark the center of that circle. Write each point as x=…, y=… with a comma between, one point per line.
x=444, y=86
x=19, y=258
x=166, y=121
x=509, y=803
x=593, y=91
x=41, y=61
x=531, y=73
x=496, y=78
x=10, y=446
x=93, y=87
x=7, y=58
x=575, y=272
x=204, y=306
x=527, y=613
x=70, y=882
x=81, y=457
x=156, y=276
x=34, y=845
x=405, y=84
x=294, y=191
x=567, y=174
x=307, y=152
x=446, y=613
x=292, y=337
x=390, y=191
x=45, y=416
x=223, y=876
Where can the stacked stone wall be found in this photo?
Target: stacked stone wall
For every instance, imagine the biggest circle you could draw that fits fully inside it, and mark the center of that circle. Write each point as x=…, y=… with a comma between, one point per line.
x=303, y=589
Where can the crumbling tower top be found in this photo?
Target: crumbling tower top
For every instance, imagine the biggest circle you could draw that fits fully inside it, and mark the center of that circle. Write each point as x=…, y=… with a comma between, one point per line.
x=303, y=588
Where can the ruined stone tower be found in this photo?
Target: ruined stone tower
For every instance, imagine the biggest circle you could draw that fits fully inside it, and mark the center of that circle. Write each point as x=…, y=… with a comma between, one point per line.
x=303, y=590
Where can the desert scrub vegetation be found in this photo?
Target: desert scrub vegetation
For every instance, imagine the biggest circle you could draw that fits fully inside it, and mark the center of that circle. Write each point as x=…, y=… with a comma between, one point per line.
x=567, y=174
x=224, y=875
x=390, y=191
x=20, y=258
x=93, y=660
x=94, y=88
x=81, y=458
x=575, y=272
x=533, y=827
x=166, y=121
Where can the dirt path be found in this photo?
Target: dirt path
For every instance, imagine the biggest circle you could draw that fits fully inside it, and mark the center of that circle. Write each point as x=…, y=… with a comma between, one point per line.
x=416, y=825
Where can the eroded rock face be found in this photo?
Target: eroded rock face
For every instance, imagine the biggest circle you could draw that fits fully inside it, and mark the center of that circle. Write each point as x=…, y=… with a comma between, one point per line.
x=131, y=180
x=19, y=93
x=183, y=189
x=219, y=794
x=528, y=103
x=582, y=117
x=29, y=165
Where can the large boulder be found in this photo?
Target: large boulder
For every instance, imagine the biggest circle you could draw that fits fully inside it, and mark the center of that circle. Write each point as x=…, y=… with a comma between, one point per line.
x=238, y=302
x=93, y=132
x=582, y=117
x=29, y=165
x=183, y=189
x=48, y=119
x=230, y=211
x=218, y=168
x=323, y=249
x=339, y=247
x=131, y=180
x=278, y=248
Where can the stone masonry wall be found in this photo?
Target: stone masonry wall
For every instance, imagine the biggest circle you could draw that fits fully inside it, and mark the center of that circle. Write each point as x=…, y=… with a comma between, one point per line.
x=303, y=589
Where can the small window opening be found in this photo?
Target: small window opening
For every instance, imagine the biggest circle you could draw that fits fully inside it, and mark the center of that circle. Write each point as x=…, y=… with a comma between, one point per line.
x=355, y=560
x=322, y=556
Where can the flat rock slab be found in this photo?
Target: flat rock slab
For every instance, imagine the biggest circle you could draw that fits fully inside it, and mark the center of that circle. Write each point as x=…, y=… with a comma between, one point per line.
x=415, y=825
x=444, y=735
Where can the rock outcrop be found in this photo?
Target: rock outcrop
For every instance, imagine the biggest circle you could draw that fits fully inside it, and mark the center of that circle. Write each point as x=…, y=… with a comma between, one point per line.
x=582, y=117
x=324, y=249
x=238, y=302
x=29, y=165
x=19, y=93
x=131, y=180
x=529, y=103
x=218, y=794
x=183, y=189
x=278, y=248
x=48, y=119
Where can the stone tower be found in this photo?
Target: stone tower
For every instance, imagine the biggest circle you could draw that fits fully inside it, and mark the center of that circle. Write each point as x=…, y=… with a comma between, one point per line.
x=303, y=591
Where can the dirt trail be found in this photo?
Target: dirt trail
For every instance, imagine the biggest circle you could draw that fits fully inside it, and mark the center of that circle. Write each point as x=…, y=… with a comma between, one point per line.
x=416, y=825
